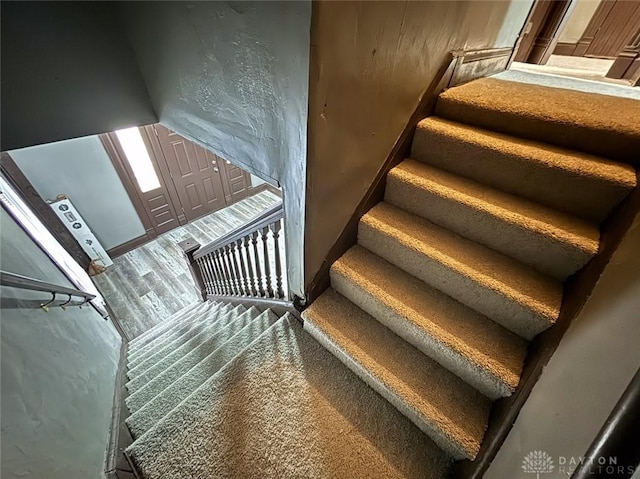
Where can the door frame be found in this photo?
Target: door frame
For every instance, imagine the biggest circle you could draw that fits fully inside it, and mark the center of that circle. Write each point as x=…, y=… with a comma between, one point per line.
x=546, y=21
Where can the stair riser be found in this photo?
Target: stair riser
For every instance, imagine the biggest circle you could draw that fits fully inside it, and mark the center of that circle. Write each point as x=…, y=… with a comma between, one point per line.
x=457, y=451
x=145, y=418
x=179, y=341
x=494, y=304
x=179, y=327
x=563, y=190
x=607, y=143
x=459, y=365
x=165, y=372
x=531, y=247
x=161, y=343
x=145, y=338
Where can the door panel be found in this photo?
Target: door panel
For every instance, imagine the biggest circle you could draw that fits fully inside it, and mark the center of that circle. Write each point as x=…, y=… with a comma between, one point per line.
x=610, y=30
x=237, y=184
x=195, y=173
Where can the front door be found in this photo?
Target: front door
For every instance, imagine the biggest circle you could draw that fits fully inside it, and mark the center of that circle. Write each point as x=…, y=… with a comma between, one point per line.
x=132, y=153
x=196, y=174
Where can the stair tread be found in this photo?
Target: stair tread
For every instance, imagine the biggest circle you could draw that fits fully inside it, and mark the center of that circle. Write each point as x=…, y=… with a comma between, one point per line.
x=461, y=333
x=171, y=343
x=441, y=404
x=559, y=227
x=562, y=159
x=165, y=377
x=198, y=346
x=484, y=265
x=193, y=370
x=179, y=324
x=140, y=341
x=571, y=181
x=511, y=226
x=603, y=125
x=286, y=407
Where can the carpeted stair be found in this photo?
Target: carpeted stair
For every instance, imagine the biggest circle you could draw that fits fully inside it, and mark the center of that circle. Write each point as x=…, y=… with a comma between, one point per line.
x=464, y=261
x=427, y=319
x=236, y=392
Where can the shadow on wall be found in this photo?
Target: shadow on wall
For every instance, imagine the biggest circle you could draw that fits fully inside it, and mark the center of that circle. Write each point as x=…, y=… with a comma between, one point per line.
x=58, y=374
x=370, y=64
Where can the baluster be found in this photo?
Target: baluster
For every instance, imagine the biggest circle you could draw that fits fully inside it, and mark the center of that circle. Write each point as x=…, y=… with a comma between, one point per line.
x=216, y=272
x=245, y=282
x=212, y=272
x=267, y=266
x=224, y=282
x=254, y=240
x=275, y=230
x=232, y=246
x=254, y=292
x=224, y=255
x=205, y=274
x=210, y=277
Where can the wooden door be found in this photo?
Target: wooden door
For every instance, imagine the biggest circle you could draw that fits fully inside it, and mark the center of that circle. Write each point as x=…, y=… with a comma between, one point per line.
x=236, y=182
x=611, y=28
x=154, y=201
x=195, y=172
x=541, y=31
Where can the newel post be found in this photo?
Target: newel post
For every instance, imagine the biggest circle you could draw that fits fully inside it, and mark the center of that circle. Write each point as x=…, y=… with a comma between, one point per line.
x=189, y=248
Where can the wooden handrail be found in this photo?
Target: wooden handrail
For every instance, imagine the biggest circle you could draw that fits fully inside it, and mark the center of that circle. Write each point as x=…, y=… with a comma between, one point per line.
x=265, y=218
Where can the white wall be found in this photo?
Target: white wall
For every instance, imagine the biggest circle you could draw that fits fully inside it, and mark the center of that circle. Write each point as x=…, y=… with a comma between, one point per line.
x=58, y=374
x=578, y=21
x=594, y=363
x=81, y=169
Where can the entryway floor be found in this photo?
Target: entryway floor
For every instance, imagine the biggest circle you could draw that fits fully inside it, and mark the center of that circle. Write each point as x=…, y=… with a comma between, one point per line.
x=150, y=283
x=568, y=68
x=556, y=81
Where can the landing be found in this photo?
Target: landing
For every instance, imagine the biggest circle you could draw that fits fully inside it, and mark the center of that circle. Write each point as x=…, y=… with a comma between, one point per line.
x=150, y=283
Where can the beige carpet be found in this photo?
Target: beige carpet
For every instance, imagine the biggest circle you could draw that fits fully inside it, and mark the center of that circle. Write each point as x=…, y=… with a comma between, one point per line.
x=464, y=261
x=283, y=408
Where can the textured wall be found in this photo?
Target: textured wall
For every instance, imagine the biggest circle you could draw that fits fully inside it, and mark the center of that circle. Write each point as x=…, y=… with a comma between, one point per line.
x=67, y=71
x=233, y=76
x=370, y=62
x=587, y=374
x=58, y=374
x=81, y=169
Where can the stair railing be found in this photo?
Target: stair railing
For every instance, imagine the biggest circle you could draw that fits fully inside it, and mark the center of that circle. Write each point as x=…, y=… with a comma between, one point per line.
x=246, y=262
x=14, y=280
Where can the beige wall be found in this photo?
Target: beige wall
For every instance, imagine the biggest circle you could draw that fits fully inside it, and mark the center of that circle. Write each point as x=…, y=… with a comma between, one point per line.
x=370, y=62
x=578, y=21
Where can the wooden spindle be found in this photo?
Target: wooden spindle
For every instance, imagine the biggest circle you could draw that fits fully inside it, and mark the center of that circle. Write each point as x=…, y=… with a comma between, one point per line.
x=222, y=283
x=254, y=241
x=247, y=251
x=275, y=230
x=267, y=266
x=224, y=256
x=217, y=272
x=243, y=270
x=205, y=274
x=214, y=274
x=236, y=269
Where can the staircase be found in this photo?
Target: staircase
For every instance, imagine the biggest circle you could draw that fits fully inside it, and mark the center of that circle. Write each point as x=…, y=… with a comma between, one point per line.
x=460, y=266
x=464, y=261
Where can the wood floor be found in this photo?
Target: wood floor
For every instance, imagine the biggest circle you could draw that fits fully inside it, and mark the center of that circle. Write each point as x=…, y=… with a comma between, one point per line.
x=149, y=284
